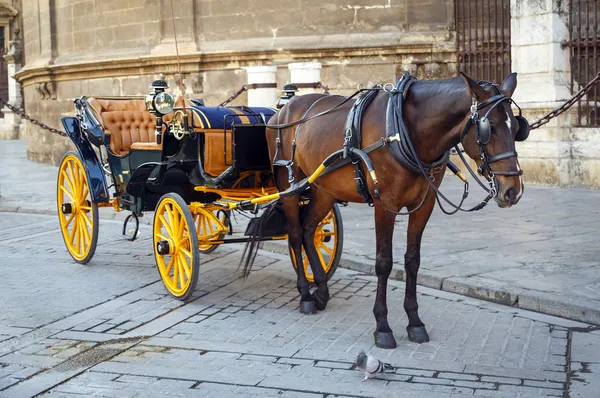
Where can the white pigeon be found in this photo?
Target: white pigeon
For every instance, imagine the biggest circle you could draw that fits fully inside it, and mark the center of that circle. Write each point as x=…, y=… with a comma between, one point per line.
x=371, y=365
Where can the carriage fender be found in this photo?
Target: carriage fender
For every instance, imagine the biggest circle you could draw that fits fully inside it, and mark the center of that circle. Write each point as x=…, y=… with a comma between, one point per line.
x=93, y=169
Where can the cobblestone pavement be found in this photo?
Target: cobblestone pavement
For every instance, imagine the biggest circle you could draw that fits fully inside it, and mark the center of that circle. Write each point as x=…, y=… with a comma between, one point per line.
x=110, y=329
x=541, y=255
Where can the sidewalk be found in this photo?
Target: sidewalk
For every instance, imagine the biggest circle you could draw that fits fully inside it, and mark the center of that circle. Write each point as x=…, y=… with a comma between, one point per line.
x=541, y=255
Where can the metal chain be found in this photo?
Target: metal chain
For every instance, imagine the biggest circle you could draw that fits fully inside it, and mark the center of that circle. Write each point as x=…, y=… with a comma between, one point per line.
x=549, y=116
x=21, y=113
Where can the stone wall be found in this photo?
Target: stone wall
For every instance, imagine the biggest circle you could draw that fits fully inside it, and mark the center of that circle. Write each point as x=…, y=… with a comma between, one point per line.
x=117, y=47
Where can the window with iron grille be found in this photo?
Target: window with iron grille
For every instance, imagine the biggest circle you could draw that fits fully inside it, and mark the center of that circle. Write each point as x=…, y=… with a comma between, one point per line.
x=483, y=38
x=584, y=39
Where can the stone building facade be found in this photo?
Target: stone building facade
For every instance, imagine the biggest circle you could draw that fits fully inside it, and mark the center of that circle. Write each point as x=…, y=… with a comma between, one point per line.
x=117, y=47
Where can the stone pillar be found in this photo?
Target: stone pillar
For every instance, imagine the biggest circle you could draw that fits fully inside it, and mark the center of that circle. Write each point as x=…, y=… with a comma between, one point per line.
x=305, y=74
x=538, y=29
x=9, y=129
x=262, y=96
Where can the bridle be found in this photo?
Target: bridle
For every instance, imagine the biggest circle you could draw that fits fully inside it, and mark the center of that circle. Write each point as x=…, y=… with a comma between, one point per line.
x=483, y=129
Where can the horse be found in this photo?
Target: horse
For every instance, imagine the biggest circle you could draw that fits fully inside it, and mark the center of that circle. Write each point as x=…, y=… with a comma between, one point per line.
x=437, y=116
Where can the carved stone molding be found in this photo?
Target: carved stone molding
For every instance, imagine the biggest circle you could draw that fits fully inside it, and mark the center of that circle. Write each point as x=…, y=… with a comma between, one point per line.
x=47, y=90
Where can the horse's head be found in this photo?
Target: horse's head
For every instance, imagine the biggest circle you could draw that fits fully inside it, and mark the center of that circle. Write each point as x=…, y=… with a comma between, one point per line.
x=490, y=140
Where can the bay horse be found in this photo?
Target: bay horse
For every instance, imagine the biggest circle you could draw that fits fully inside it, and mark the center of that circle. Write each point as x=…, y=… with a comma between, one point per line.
x=436, y=115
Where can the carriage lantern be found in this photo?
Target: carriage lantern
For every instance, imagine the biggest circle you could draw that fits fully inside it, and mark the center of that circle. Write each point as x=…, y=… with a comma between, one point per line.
x=289, y=91
x=159, y=103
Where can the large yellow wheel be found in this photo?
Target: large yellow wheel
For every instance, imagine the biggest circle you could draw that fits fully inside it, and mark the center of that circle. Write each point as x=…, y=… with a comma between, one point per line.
x=176, y=246
x=329, y=240
x=77, y=214
x=209, y=227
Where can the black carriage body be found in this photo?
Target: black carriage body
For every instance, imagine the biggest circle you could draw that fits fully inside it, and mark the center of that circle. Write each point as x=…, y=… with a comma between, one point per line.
x=141, y=177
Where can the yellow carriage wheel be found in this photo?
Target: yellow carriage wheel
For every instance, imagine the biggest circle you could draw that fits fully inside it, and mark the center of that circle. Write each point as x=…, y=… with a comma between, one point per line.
x=329, y=239
x=210, y=228
x=176, y=246
x=77, y=214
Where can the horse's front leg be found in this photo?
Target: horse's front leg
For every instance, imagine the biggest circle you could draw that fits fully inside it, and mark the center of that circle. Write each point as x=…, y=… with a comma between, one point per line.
x=384, y=229
x=412, y=260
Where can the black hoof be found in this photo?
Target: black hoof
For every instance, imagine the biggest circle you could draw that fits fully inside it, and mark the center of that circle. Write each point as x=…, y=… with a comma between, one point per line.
x=308, y=307
x=417, y=334
x=319, y=303
x=385, y=340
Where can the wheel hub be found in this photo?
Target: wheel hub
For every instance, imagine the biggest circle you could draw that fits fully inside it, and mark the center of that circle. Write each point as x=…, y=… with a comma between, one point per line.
x=327, y=238
x=163, y=247
x=66, y=208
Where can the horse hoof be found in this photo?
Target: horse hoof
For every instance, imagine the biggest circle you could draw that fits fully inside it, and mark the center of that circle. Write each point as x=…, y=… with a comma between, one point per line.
x=385, y=340
x=308, y=307
x=319, y=303
x=417, y=334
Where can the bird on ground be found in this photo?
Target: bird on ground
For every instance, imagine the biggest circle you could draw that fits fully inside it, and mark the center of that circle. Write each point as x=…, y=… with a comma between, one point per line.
x=371, y=365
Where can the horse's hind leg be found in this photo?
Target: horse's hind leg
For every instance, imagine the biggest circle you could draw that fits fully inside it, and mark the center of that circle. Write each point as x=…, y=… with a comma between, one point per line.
x=319, y=205
x=290, y=207
x=384, y=229
x=412, y=260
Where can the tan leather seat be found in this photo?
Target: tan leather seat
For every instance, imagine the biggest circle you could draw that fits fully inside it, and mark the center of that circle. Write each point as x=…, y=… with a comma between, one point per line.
x=129, y=123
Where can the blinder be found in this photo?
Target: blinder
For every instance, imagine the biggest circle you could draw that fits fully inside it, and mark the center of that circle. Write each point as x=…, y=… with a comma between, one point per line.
x=523, y=131
x=484, y=130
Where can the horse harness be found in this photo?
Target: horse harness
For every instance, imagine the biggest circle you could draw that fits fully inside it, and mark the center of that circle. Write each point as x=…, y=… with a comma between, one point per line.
x=400, y=144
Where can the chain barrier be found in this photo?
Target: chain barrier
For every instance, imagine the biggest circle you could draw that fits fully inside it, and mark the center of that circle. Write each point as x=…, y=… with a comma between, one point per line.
x=550, y=115
x=21, y=113
x=538, y=123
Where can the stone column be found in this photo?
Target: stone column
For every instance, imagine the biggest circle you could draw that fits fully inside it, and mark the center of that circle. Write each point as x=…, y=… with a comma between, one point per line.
x=10, y=127
x=263, y=96
x=538, y=30
x=305, y=73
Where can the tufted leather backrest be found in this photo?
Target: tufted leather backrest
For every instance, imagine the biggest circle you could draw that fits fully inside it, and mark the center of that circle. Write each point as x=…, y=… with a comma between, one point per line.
x=128, y=121
x=127, y=127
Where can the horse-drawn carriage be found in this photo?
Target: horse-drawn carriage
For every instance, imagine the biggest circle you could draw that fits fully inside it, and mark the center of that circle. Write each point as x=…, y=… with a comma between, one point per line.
x=189, y=163
x=193, y=165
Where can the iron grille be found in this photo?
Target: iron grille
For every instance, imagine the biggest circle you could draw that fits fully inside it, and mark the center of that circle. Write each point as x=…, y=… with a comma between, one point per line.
x=584, y=38
x=483, y=38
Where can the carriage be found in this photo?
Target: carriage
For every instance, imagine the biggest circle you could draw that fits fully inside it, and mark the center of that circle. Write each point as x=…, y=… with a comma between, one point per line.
x=191, y=164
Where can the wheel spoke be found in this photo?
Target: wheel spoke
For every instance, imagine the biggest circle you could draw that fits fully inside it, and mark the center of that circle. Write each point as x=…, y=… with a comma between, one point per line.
x=73, y=230
x=324, y=247
x=69, y=220
x=77, y=235
x=170, y=265
x=181, y=226
x=85, y=192
x=175, y=270
x=164, y=223
x=68, y=181
x=86, y=233
x=186, y=252
x=210, y=226
x=87, y=220
x=323, y=262
x=171, y=224
x=72, y=178
x=186, y=269
x=62, y=188
x=88, y=208
x=181, y=276
x=162, y=236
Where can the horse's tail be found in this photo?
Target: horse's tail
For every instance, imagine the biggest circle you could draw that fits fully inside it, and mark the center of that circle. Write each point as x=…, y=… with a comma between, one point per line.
x=256, y=231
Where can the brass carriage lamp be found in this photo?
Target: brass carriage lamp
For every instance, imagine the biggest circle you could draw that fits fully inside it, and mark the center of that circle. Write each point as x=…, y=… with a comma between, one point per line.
x=159, y=103
x=289, y=91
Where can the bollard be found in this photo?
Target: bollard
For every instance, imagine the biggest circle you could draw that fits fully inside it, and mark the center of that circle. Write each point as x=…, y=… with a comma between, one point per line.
x=262, y=82
x=305, y=75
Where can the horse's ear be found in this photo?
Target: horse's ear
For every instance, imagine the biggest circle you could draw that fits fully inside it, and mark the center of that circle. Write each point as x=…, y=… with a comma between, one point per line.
x=475, y=88
x=509, y=85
